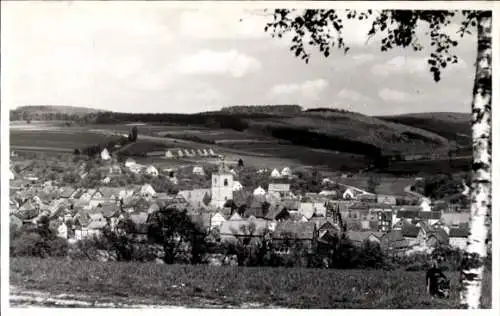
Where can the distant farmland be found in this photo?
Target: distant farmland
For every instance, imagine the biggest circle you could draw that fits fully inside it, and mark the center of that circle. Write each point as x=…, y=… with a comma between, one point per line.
x=64, y=139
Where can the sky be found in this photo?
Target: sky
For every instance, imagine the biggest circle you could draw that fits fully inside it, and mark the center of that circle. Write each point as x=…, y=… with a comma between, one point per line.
x=155, y=57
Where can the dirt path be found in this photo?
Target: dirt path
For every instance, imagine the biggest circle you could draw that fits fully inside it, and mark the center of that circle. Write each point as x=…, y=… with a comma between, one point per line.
x=20, y=297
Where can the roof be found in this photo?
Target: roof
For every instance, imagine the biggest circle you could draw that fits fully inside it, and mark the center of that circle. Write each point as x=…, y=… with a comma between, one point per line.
x=274, y=211
x=243, y=227
x=109, y=210
x=294, y=230
x=108, y=192
x=440, y=235
x=409, y=230
x=360, y=236
x=307, y=209
x=291, y=204
x=458, y=233
x=66, y=192
x=139, y=218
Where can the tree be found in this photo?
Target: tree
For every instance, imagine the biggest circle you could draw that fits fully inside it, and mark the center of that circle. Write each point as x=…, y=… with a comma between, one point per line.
x=132, y=135
x=373, y=183
x=178, y=235
x=322, y=28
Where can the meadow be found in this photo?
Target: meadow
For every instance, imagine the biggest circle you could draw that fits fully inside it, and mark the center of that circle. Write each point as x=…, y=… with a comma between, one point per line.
x=195, y=285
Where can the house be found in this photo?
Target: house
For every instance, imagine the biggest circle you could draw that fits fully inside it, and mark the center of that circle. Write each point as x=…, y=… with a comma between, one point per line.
x=62, y=230
x=211, y=152
x=152, y=171
x=147, y=191
x=386, y=199
x=129, y=162
x=286, y=172
x=280, y=188
x=180, y=153
x=288, y=234
x=275, y=174
x=15, y=222
x=455, y=219
x=425, y=205
x=106, y=180
x=66, y=192
x=12, y=175
x=237, y=186
x=205, y=152
x=139, y=226
x=393, y=243
x=259, y=191
x=458, y=238
x=348, y=194
x=168, y=154
x=359, y=237
x=217, y=220
x=307, y=209
x=198, y=171
x=199, y=152
x=277, y=213
x=195, y=197
x=232, y=230
x=105, y=155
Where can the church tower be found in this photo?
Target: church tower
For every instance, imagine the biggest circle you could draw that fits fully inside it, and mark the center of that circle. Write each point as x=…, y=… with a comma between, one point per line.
x=222, y=185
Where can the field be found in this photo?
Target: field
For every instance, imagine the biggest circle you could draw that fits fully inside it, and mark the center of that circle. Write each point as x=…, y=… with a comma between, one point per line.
x=255, y=151
x=209, y=286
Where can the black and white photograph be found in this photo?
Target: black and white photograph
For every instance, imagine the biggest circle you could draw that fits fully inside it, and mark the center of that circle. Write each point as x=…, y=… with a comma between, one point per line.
x=248, y=155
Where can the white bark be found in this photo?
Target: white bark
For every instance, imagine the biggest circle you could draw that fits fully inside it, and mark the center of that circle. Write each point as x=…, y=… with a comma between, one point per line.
x=480, y=190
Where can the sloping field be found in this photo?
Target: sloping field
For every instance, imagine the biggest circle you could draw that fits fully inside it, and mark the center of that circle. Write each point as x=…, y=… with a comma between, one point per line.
x=209, y=286
x=56, y=138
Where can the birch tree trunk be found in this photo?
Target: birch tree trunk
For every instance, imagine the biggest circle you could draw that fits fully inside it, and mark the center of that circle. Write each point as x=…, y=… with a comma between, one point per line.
x=480, y=193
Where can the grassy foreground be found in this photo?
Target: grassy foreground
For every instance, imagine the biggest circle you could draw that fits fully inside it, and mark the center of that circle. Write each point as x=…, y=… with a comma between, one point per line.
x=188, y=285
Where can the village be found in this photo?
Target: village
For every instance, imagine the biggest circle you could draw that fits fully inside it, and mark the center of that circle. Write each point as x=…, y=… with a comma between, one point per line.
x=401, y=225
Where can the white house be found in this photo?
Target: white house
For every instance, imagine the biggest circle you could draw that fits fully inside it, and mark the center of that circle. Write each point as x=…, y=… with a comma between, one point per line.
x=198, y=171
x=62, y=231
x=217, y=220
x=425, y=205
x=148, y=191
x=168, y=154
x=105, y=155
x=211, y=152
x=237, y=186
x=199, y=152
x=275, y=174
x=187, y=153
x=11, y=175
x=286, y=172
x=458, y=238
x=152, y=171
x=205, y=152
x=129, y=162
x=259, y=191
x=348, y=194
x=326, y=180
x=180, y=153
x=106, y=180
x=136, y=168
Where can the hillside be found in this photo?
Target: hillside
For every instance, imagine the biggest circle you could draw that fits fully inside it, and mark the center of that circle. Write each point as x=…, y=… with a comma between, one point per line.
x=50, y=112
x=455, y=127
x=330, y=129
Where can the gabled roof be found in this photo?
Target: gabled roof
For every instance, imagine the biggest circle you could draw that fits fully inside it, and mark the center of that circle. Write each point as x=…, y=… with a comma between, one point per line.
x=274, y=211
x=360, y=236
x=109, y=210
x=66, y=192
x=440, y=235
x=294, y=230
x=409, y=230
x=458, y=233
x=307, y=209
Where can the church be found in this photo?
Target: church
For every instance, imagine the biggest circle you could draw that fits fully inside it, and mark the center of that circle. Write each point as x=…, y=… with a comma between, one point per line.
x=222, y=186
